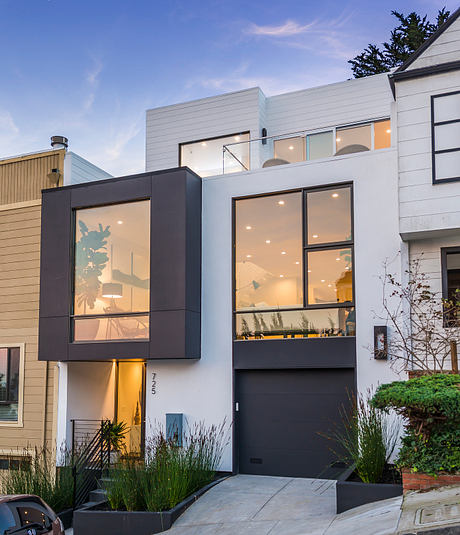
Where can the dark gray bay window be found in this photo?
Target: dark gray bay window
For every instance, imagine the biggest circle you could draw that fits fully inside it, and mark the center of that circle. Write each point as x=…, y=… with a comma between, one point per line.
x=121, y=269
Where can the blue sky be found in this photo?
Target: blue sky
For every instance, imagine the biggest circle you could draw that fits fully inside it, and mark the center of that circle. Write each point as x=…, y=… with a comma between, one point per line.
x=89, y=69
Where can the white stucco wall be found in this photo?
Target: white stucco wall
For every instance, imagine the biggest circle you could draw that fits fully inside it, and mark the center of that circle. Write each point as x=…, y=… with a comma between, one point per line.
x=86, y=391
x=203, y=390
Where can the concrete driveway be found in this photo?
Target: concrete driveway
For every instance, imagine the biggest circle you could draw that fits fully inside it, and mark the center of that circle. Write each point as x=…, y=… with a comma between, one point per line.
x=263, y=505
x=258, y=505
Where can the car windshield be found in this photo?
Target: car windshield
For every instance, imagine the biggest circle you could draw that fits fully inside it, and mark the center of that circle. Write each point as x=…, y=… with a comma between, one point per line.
x=6, y=518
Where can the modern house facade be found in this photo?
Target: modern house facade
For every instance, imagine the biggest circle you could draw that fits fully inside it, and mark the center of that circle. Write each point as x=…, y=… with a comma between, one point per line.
x=28, y=388
x=239, y=278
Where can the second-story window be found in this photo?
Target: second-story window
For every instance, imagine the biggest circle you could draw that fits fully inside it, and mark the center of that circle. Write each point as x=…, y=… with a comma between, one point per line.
x=294, y=264
x=445, y=130
x=206, y=156
x=10, y=361
x=112, y=272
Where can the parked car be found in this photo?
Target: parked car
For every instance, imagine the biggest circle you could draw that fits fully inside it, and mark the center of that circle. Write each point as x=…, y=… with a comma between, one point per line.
x=25, y=514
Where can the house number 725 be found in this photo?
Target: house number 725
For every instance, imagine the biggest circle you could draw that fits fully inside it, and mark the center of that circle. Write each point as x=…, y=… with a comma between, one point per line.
x=154, y=383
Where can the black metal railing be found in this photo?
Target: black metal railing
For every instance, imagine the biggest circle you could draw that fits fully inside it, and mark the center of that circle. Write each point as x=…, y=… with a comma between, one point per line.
x=90, y=456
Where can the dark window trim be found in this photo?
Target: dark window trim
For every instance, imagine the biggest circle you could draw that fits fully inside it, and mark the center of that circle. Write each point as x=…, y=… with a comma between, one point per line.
x=444, y=252
x=9, y=401
x=305, y=247
x=183, y=143
x=434, y=152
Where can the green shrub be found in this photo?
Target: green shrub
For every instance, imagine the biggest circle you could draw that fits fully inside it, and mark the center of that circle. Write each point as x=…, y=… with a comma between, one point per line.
x=41, y=477
x=169, y=473
x=366, y=438
x=431, y=406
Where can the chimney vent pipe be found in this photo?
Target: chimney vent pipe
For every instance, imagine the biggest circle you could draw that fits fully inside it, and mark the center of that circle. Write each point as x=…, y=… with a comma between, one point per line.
x=59, y=142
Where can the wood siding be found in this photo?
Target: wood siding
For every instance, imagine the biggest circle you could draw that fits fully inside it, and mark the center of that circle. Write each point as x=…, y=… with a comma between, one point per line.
x=23, y=178
x=21, y=182
x=444, y=49
x=424, y=207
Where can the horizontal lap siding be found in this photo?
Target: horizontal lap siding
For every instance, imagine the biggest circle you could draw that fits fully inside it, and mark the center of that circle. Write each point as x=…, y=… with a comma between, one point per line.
x=19, y=302
x=444, y=49
x=423, y=206
x=331, y=105
x=167, y=127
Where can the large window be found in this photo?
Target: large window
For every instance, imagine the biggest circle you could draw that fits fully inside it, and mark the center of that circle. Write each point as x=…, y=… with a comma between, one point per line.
x=445, y=125
x=294, y=264
x=451, y=284
x=206, y=157
x=10, y=383
x=112, y=272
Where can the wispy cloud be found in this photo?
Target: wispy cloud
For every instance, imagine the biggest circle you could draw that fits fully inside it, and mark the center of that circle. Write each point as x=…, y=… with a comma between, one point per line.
x=92, y=82
x=290, y=27
x=7, y=125
x=329, y=37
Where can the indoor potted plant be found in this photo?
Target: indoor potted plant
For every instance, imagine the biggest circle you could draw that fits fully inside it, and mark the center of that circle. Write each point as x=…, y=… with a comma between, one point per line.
x=117, y=433
x=90, y=261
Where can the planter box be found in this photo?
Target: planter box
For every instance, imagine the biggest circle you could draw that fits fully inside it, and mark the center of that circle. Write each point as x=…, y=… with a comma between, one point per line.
x=66, y=517
x=420, y=481
x=351, y=494
x=90, y=521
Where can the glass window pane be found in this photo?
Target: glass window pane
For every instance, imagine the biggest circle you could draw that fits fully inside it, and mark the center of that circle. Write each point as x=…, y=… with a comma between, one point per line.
x=3, y=373
x=382, y=134
x=268, y=233
x=354, y=139
x=290, y=149
x=447, y=165
x=320, y=145
x=330, y=276
x=206, y=157
x=112, y=259
x=112, y=328
x=453, y=276
x=329, y=216
x=446, y=108
x=15, y=355
x=447, y=136
x=296, y=324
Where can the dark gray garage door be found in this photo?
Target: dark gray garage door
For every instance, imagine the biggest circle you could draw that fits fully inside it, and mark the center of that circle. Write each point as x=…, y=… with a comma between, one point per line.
x=280, y=415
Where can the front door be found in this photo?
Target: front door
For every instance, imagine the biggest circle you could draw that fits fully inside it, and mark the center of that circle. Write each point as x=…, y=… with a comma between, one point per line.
x=130, y=402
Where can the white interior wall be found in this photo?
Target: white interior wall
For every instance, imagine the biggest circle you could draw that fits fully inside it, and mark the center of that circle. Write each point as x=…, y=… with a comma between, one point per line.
x=203, y=390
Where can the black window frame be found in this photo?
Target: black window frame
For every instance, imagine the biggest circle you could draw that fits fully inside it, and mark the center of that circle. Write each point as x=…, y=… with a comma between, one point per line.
x=72, y=315
x=445, y=290
x=434, y=152
x=9, y=401
x=305, y=247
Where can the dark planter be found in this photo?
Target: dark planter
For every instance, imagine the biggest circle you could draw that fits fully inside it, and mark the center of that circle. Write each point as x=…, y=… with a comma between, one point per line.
x=66, y=517
x=90, y=521
x=351, y=494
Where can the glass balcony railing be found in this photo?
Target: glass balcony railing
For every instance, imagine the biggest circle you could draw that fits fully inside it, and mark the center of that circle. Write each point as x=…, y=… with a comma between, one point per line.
x=303, y=146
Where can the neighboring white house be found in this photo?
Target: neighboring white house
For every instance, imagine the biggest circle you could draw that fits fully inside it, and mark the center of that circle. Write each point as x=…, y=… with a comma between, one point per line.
x=305, y=197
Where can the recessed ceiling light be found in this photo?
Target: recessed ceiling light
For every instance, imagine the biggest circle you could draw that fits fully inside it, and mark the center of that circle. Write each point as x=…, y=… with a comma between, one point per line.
x=322, y=280
x=338, y=259
x=329, y=285
x=347, y=267
x=283, y=252
x=248, y=227
x=309, y=271
x=388, y=130
x=237, y=138
x=267, y=241
x=338, y=139
x=291, y=147
x=248, y=255
x=204, y=144
x=335, y=195
x=315, y=236
x=281, y=276
x=297, y=263
x=120, y=222
x=281, y=203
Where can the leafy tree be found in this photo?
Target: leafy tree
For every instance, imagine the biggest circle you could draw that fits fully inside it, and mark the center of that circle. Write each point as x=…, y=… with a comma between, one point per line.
x=411, y=32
